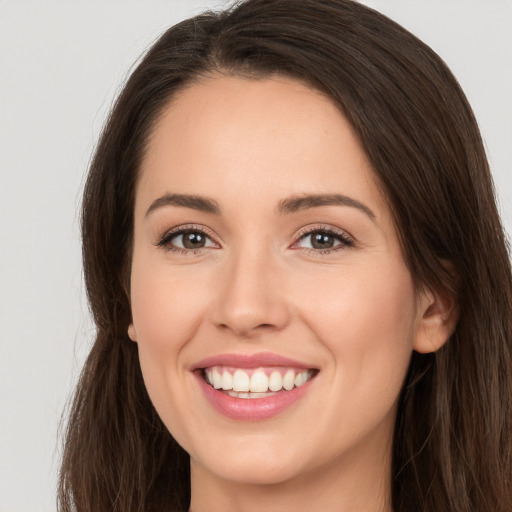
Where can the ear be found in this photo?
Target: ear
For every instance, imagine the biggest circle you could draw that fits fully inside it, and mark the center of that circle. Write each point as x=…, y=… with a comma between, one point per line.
x=132, y=333
x=438, y=315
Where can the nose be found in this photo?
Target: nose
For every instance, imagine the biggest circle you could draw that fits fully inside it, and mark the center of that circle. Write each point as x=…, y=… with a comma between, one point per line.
x=251, y=296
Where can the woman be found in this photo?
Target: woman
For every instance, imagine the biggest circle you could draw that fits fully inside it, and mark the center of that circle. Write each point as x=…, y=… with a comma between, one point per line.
x=298, y=275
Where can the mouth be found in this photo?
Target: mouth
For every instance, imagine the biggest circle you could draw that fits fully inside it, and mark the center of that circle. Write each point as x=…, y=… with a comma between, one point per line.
x=255, y=387
x=256, y=383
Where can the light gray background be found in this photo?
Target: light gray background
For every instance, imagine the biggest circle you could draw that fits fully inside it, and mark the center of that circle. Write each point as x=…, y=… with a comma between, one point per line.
x=61, y=63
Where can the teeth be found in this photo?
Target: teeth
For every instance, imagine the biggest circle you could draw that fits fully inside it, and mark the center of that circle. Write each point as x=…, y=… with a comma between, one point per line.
x=248, y=395
x=216, y=378
x=259, y=382
x=240, y=381
x=275, y=382
x=227, y=381
x=289, y=380
x=256, y=383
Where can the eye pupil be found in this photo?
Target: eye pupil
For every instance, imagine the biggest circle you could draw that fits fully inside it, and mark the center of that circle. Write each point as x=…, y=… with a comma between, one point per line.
x=321, y=240
x=193, y=240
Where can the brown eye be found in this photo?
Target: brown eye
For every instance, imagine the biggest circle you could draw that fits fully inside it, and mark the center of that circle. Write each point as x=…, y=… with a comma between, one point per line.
x=321, y=240
x=186, y=240
x=193, y=240
x=324, y=240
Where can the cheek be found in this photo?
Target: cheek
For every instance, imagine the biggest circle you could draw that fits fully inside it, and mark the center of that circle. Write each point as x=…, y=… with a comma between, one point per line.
x=377, y=317
x=166, y=308
x=361, y=305
x=367, y=320
x=166, y=311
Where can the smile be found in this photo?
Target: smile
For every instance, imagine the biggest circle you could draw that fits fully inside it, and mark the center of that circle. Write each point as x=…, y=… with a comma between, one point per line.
x=256, y=383
x=253, y=387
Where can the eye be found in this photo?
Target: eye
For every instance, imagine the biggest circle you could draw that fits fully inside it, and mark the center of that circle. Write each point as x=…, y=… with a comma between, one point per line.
x=186, y=240
x=323, y=240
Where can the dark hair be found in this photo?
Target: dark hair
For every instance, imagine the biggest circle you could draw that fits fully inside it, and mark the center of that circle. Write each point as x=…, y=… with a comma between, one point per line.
x=452, y=449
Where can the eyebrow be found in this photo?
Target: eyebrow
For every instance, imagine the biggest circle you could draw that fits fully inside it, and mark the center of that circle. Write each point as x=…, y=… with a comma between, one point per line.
x=303, y=202
x=203, y=204
x=291, y=204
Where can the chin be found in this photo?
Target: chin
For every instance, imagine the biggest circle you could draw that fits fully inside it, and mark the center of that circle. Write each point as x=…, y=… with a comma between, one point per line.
x=255, y=472
x=264, y=463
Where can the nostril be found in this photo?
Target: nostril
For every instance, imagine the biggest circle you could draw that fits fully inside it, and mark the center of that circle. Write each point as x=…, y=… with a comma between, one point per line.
x=245, y=331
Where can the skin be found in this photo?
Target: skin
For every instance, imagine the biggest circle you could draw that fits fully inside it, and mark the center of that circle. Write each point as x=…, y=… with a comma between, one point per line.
x=260, y=286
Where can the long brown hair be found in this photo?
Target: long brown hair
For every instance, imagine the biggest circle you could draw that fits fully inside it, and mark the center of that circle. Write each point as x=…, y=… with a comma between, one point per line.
x=452, y=448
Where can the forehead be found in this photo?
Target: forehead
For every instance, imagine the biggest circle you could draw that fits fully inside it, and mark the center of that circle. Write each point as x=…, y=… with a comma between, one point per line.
x=262, y=138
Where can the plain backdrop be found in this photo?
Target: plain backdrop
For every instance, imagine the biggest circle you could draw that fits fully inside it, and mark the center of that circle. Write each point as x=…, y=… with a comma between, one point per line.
x=61, y=63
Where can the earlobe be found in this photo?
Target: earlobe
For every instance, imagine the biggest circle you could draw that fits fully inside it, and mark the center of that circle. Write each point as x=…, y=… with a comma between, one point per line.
x=439, y=314
x=132, y=333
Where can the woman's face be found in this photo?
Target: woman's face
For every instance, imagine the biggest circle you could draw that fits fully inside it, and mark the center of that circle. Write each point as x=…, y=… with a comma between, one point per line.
x=266, y=262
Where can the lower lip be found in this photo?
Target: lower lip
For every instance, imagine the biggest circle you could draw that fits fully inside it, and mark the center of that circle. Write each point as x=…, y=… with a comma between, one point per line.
x=251, y=409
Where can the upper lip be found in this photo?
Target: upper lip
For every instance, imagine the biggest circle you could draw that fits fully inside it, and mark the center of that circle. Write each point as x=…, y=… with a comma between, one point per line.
x=262, y=359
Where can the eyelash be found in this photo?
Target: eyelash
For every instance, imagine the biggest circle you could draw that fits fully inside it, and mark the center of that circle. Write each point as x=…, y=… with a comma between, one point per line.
x=344, y=238
x=165, y=240
x=341, y=236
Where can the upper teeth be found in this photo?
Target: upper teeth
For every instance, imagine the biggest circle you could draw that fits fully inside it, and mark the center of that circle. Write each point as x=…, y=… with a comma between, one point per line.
x=256, y=381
